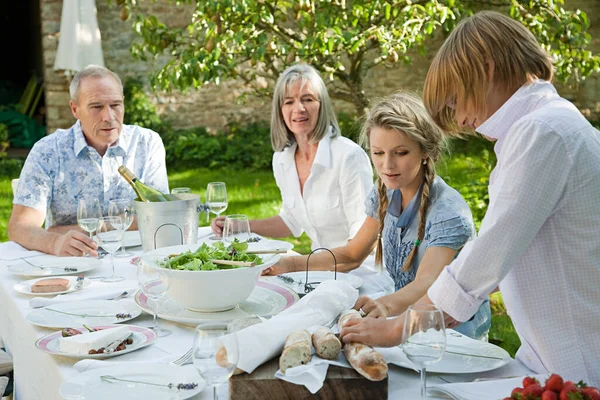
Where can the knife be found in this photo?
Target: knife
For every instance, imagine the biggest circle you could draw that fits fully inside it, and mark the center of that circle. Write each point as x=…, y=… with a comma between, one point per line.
x=113, y=346
x=79, y=283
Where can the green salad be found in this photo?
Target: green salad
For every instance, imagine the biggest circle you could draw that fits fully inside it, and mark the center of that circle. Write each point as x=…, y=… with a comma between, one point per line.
x=199, y=260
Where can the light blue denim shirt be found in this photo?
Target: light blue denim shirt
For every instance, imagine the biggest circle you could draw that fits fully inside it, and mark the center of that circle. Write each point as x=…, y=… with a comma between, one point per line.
x=449, y=223
x=61, y=169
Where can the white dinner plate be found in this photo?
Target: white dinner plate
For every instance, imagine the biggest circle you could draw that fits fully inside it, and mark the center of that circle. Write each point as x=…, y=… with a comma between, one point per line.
x=262, y=244
x=132, y=239
x=141, y=337
x=89, y=385
x=25, y=286
x=87, y=312
x=297, y=280
x=267, y=299
x=470, y=361
x=52, y=266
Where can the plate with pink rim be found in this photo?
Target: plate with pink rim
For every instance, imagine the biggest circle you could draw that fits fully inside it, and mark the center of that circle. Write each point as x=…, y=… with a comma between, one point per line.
x=141, y=337
x=267, y=299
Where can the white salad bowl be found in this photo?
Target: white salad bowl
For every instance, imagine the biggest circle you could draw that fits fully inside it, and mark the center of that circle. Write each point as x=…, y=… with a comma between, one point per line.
x=211, y=291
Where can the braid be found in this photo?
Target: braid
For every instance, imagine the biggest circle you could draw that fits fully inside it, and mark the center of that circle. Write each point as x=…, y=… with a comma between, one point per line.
x=381, y=211
x=428, y=177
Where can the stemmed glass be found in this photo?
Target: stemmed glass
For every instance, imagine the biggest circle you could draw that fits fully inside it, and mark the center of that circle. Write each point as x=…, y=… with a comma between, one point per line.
x=180, y=190
x=122, y=208
x=216, y=198
x=88, y=214
x=424, y=338
x=216, y=352
x=110, y=237
x=236, y=226
x=154, y=279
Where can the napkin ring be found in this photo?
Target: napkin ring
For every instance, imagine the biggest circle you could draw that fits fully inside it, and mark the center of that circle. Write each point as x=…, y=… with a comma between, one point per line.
x=308, y=286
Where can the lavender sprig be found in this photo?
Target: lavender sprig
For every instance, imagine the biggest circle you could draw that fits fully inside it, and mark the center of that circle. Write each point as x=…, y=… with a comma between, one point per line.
x=178, y=386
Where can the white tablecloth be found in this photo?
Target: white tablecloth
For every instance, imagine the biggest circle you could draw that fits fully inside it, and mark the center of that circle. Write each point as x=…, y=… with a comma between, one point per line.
x=39, y=375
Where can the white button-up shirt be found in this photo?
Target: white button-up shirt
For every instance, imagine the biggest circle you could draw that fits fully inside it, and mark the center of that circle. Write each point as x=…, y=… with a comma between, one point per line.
x=540, y=238
x=331, y=209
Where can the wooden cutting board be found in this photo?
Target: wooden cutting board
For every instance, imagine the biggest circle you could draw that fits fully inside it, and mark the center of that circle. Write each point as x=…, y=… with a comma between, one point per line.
x=340, y=383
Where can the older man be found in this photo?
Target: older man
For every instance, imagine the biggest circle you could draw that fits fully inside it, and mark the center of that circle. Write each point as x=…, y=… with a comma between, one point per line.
x=81, y=163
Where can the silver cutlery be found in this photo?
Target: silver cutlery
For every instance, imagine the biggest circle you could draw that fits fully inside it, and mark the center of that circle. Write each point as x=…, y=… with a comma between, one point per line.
x=184, y=359
x=79, y=283
x=70, y=269
x=119, y=297
x=113, y=346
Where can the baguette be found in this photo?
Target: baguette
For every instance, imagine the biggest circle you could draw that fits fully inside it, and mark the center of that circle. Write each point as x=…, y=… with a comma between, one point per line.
x=363, y=358
x=223, y=362
x=326, y=344
x=296, y=350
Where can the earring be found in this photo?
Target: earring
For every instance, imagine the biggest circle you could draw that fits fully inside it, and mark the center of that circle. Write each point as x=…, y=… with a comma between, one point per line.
x=424, y=162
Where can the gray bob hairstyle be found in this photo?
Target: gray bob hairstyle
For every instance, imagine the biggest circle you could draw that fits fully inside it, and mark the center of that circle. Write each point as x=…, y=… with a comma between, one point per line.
x=281, y=136
x=91, y=71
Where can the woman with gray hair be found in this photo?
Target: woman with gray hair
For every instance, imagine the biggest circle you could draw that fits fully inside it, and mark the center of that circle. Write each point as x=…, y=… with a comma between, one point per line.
x=323, y=177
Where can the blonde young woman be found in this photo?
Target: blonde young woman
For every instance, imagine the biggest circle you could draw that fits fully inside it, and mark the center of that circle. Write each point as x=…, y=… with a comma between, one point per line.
x=416, y=221
x=540, y=239
x=323, y=177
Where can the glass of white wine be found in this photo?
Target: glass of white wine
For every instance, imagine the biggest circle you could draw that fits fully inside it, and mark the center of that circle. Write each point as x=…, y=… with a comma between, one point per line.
x=216, y=198
x=424, y=338
x=110, y=237
x=153, y=275
x=88, y=214
x=122, y=208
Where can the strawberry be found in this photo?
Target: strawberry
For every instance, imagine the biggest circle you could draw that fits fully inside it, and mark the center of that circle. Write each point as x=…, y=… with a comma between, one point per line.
x=529, y=380
x=549, y=395
x=533, y=390
x=516, y=393
x=555, y=383
x=592, y=393
x=570, y=392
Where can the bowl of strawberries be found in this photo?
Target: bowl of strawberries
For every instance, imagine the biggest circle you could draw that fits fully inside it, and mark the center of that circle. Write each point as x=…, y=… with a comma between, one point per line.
x=555, y=388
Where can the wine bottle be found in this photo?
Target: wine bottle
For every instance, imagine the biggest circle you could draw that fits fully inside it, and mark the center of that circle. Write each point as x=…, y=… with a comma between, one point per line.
x=144, y=192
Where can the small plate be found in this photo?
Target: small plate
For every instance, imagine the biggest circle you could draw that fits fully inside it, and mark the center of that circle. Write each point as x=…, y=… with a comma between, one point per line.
x=141, y=337
x=89, y=386
x=99, y=312
x=53, y=266
x=268, y=298
x=25, y=286
x=316, y=277
x=132, y=239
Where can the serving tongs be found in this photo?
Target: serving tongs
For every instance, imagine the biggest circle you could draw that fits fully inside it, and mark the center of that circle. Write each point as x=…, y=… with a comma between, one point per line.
x=234, y=263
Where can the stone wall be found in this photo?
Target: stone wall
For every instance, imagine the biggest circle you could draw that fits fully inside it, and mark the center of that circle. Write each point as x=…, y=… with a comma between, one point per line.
x=214, y=106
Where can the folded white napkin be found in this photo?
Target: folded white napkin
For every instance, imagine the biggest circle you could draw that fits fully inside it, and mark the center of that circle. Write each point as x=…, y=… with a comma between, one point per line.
x=260, y=343
x=486, y=390
x=87, y=365
x=95, y=291
x=12, y=251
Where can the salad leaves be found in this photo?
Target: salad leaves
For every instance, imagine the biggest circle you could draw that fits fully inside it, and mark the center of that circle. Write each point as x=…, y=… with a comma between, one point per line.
x=200, y=260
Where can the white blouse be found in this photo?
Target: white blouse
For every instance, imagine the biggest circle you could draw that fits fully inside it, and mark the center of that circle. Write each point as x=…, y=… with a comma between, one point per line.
x=331, y=210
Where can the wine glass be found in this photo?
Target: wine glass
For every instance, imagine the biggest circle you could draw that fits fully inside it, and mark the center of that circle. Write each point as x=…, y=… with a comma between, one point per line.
x=216, y=198
x=424, y=338
x=88, y=214
x=122, y=208
x=154, y=279
x=110, y=237
x=180, y=190
x=215, y=352
x=236, y=226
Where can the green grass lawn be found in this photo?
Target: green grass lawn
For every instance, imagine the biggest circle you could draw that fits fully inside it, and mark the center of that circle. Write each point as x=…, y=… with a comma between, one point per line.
x=255, y=194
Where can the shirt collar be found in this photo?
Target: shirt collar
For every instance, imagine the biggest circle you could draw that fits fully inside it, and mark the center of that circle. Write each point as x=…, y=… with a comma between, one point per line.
x=521, y=103
x=322, y=157
x=80, y=143
x=409, y=212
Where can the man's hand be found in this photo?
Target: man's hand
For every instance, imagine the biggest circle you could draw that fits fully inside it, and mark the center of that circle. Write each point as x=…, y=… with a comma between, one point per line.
x=372, y=308
x=76, y=244
x=376, y=332
x=217, y=225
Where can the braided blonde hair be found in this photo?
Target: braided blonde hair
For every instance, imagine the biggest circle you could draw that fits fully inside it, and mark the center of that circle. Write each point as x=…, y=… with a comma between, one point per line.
x=404, y=112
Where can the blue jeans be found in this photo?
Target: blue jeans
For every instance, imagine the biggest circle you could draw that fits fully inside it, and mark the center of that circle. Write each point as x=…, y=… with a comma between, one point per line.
x=479, y=325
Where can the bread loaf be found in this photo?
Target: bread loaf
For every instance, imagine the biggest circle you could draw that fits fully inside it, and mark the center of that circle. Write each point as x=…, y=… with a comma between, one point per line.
x=296, y=350
x=50, y=285
x=326, y=344
x=223, y=362
x=363, y=358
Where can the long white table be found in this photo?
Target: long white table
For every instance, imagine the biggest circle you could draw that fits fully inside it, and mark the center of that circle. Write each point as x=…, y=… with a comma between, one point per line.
x=39, y=375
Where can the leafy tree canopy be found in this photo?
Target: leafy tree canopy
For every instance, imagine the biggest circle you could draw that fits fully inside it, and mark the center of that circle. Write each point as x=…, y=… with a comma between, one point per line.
x=255, y=40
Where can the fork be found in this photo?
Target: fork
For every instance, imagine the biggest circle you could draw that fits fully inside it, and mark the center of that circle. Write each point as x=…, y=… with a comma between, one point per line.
x=184, y=359
x=59, y=268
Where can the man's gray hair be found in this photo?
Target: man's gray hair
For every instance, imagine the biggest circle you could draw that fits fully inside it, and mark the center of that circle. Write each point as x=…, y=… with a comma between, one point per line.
x=95, y=71
x=281, y=136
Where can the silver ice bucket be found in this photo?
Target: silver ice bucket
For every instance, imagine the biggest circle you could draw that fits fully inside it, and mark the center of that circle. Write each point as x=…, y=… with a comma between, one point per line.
x=169, y=223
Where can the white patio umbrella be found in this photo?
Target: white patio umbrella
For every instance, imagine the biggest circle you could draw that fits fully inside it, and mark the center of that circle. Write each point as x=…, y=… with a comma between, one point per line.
x=79, y=43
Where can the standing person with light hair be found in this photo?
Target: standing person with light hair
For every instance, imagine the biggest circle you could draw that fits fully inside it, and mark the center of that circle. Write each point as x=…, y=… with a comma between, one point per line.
x=415, y=220
x=323, y=177
x=539, y=241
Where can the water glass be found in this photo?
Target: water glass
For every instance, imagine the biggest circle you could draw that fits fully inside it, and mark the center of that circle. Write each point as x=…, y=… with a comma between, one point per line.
x=110, y=237
x=215, y=352
x=236, y=226
x=154, y=279
x=180, y=190
x=88, y=214
x=216, y=198
x=122, y=208
x=424, y=338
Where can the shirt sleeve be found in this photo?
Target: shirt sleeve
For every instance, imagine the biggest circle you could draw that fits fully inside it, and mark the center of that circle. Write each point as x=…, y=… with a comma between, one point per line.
x=528, y=185
x=287, y=199
x=155, y=170
x=37, y=176
x=449, y=229
x=372, y=203
x=356, y=181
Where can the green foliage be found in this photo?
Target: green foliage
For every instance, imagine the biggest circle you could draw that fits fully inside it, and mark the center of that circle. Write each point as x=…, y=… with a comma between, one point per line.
x=10, y=168
x=4, y=140
x=254, y=40
x=139, y=109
